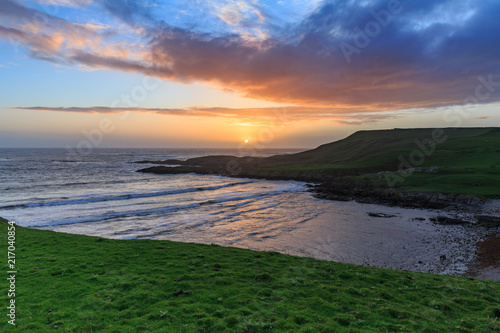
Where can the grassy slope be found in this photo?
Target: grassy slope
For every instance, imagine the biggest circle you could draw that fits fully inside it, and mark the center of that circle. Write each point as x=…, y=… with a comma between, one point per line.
x=81, y=283
x=468, y=160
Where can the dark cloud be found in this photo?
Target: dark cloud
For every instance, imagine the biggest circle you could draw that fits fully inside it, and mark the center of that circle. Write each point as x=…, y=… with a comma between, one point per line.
x=14, y=33
x=12, y=11
x=127, y=65
x=346, y=55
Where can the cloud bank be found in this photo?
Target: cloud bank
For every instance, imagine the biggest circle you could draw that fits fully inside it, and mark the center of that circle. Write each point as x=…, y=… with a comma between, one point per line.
x=253, y=116
x=344, y=55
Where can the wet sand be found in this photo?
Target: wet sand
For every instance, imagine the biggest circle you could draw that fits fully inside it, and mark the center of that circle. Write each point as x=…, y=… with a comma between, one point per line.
x=345, y=232
x=487, y=265
x=404, y=242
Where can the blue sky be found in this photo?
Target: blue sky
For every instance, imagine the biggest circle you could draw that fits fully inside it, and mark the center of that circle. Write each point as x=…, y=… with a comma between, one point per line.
x=214, y=73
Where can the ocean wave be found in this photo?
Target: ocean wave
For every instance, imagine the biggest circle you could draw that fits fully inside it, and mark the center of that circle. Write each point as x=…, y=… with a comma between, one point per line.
x=163, y=210
x=227, y=215
x=114, y=215
x=252, y=196
x=66, y=161
x=31, y=186
x=120, y=197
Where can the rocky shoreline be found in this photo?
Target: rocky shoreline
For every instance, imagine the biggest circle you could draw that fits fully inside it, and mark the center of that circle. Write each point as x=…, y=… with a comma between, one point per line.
x=476, y=220
x=329, y=187
x=346, y=191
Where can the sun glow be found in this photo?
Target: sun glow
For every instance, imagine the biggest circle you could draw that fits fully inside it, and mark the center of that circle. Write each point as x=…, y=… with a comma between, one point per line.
x=246, y=140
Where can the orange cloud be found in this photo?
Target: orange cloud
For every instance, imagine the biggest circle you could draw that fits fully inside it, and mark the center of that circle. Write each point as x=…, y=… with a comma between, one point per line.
x=242, y=116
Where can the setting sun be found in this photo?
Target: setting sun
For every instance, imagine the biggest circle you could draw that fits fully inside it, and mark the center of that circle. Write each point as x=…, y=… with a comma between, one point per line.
x=246, y=140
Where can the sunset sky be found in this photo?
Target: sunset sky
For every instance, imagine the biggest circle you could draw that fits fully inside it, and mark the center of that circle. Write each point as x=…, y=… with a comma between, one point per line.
x=213, y=73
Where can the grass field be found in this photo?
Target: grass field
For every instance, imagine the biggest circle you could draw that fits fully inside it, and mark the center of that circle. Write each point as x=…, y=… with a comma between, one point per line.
x=80, y=283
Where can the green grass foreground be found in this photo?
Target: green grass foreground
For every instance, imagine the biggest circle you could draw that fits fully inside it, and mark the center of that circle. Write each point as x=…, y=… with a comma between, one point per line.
x=80, y=283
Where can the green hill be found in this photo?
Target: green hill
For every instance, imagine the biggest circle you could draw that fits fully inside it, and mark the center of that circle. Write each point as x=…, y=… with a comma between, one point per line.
x=462, y=160
x=449, y=160
x=380, y=149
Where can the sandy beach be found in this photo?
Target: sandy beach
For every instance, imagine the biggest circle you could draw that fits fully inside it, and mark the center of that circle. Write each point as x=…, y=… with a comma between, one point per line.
x=344, y=232
x=407, y=241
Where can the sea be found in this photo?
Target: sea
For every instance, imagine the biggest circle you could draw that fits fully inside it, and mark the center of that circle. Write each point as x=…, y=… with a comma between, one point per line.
x=100, y=193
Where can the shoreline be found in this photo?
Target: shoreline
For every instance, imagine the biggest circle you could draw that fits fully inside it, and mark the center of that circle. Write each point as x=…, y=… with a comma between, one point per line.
x=325, y=187
x=468, y=219
x=406, y=240
x=350, y=232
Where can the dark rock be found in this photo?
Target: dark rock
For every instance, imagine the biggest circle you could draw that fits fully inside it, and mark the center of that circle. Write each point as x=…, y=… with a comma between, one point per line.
x=177, y=293
x=434, y=204
x=488, y=221
x=337, y=197
x=172, y=162
x=381, y=215
x=181, y=292
x=444, y=220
